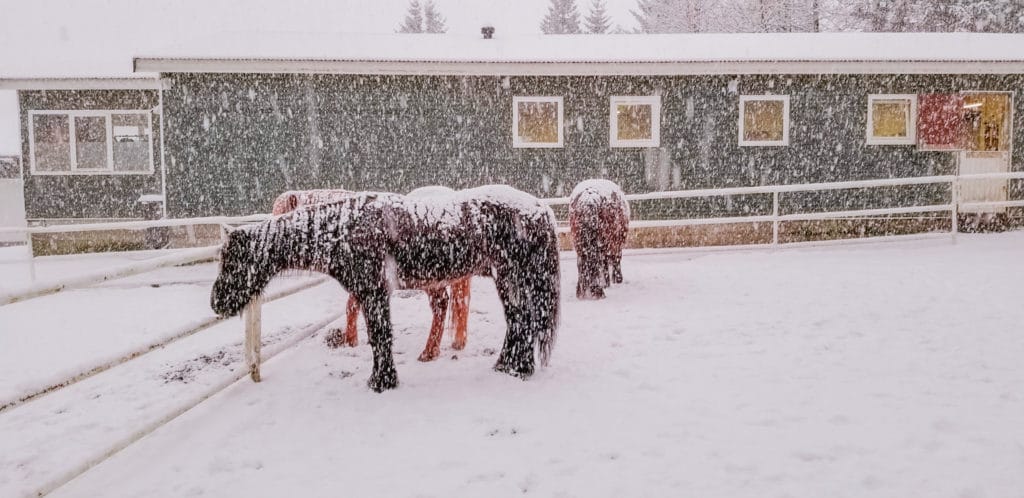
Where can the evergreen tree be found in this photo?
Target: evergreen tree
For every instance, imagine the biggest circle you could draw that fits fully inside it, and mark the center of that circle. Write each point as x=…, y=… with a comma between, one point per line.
x=433, y=19
x=997, y=16
x=672, y=16
x=884, y=15
x=597, y=21
x=413, y=22
x=994, y=16
x=943, y=15
x=780, y=16
x=562, y=18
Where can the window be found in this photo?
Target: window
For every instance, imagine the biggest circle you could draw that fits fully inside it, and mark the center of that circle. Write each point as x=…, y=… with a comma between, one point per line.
x=764, y=120
x=940, y=121
x=90, y=142
x=635, y=121
x=537, y=122
x=892, y=119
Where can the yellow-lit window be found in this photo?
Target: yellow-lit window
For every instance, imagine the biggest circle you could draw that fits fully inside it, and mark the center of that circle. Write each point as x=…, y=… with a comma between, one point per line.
x=892, y=119
x=764, y=120
x=635, y=121
x=537, y=122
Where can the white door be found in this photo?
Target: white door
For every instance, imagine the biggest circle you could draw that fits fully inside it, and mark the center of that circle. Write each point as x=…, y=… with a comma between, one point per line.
x=977, y=162
x=987, y=149
x=12, y=209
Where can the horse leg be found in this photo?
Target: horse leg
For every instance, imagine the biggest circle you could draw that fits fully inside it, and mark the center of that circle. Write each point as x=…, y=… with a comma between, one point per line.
x=582, y=277
x=516, y=358
x=352, y=319
x=438, y=307
x=589, y=284
x=377, y=310
x=616, y=261
x=602, y=262
x=460, y=312
x=336, y=338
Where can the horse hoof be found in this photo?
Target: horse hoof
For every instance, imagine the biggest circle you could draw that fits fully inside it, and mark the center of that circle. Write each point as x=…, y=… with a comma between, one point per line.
x=383, y=382
x=428, y=355
x=521, y=371
x=458, y=345
x=336, y=339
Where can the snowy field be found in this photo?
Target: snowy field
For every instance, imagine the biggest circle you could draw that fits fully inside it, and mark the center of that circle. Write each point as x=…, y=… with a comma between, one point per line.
x=889, y=370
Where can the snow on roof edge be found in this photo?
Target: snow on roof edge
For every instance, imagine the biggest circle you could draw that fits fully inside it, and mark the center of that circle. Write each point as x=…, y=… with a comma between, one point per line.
x=561, y=68
x=136, y=81
x=463, y=54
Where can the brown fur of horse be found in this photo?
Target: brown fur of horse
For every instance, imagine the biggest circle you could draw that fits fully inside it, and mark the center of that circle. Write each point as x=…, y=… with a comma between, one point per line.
x=599, y=224
x=439, y=295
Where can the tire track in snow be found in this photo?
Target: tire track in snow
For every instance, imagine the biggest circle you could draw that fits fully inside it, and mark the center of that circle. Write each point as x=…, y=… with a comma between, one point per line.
x=187, y=331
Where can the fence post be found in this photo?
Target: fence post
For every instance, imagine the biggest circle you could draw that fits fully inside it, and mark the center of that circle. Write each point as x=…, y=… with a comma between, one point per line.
x=31, y=257
x=775, y=216
x=253, y=325
x=954, y=188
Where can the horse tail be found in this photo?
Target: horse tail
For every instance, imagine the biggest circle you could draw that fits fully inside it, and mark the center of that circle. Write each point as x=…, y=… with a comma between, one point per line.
x=551, y=289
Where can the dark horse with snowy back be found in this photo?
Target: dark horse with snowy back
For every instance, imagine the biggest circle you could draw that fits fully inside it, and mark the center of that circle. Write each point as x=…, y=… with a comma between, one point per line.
x=599, y=224
x=372, y=243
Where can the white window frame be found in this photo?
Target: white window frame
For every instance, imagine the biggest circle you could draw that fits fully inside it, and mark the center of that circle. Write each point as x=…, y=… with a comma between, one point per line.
x=72, y=145
x=613, y=122
x=911, y=137
x=517, y=141
x=785, y=120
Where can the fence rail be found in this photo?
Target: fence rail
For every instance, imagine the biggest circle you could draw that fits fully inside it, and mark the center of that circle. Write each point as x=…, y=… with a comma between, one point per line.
x=775, y=218
x=952, y=180
x=137, y=224
x=40, y=289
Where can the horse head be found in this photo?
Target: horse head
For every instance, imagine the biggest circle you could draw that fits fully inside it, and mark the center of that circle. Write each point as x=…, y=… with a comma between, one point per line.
x=244, y=273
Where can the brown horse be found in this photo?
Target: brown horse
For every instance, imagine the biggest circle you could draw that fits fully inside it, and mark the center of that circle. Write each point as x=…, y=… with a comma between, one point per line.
x=438, y=292
x=599, y=222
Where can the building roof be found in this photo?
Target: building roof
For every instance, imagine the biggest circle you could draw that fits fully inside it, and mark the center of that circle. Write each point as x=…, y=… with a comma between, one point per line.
x=704, y=53
x=113, y=67
x=75, y=66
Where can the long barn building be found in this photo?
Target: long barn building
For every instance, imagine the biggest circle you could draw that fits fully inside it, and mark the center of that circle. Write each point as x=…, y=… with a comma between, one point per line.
x=221, y=126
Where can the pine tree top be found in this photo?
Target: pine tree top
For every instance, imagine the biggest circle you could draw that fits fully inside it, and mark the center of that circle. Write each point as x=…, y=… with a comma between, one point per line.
x=562, y=18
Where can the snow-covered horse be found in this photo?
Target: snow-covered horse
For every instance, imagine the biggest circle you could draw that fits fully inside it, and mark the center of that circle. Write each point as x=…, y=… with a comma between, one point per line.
x=438, y=293
x=599, y=222
x=374, y=242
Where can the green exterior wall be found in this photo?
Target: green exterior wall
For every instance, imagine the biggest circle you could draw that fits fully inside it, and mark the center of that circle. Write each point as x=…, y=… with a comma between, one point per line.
x=94, y=195
x=234, y=141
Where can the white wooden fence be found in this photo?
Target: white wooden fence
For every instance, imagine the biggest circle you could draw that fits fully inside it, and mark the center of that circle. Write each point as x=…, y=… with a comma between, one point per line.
x=252, y=312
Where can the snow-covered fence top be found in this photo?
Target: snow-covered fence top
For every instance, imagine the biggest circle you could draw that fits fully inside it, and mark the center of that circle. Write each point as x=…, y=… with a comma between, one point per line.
x=138, y=225
x=808, y=187
x=39, y=289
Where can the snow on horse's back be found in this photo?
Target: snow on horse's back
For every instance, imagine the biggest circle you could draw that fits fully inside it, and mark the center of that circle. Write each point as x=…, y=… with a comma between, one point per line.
x=499, y=230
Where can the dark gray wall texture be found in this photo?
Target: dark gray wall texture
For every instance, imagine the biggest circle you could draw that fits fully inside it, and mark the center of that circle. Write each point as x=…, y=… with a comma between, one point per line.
x=234, y=141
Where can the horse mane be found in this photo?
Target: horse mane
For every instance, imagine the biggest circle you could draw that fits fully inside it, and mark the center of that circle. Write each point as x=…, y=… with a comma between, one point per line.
x=302, y=239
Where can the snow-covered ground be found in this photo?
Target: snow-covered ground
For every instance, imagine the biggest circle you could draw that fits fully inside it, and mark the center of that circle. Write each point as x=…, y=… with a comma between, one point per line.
x=878, y=370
